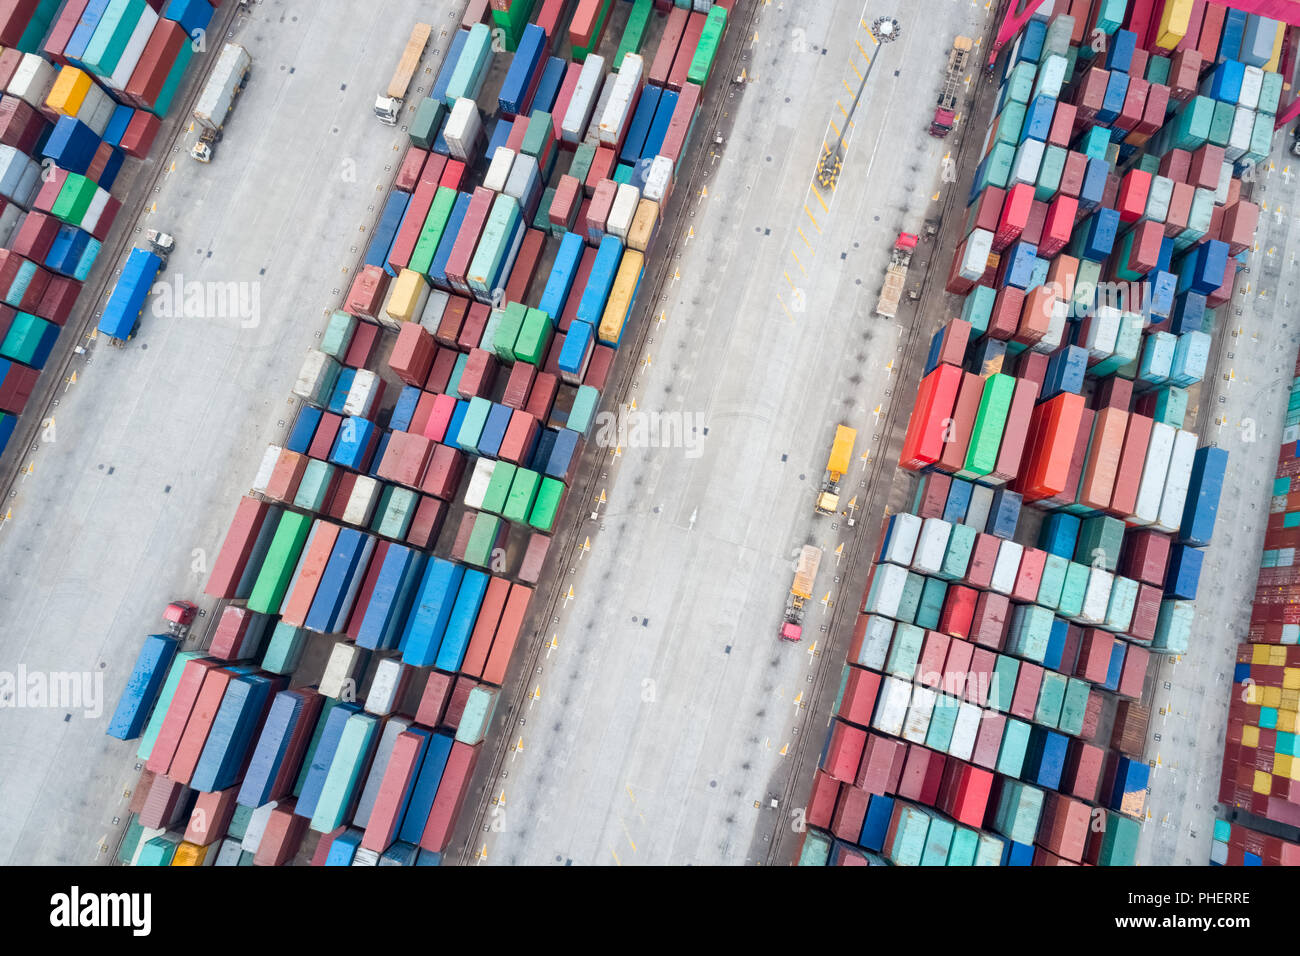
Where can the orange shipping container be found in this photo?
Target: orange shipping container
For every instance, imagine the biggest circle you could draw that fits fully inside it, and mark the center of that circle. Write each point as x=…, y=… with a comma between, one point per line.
x=303, y=591
x=1103, y=458
x=1051, y=446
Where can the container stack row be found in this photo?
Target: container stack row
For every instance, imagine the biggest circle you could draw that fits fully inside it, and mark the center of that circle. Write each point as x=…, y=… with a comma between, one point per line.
x=84, y=84
x=376, y=580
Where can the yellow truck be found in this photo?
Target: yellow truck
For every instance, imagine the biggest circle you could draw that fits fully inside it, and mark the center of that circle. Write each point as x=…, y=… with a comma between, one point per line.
x=828, y=502
x=389, y=103
x=805, y=575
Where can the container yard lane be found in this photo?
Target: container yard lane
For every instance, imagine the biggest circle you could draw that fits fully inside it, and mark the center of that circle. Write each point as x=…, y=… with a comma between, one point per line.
x=1242, y=410
x=658, y=724
x=131, y=490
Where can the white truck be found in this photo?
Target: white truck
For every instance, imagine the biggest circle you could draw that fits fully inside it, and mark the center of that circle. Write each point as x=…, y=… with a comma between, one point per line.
x=389, y=103
x=218, y=97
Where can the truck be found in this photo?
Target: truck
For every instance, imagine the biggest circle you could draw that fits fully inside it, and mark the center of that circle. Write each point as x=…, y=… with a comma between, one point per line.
x=218, y=98
x=121, y=316
x=945, y=114
x=805, y=574
x=828, y=502
x=389, y=103
x=896, y=275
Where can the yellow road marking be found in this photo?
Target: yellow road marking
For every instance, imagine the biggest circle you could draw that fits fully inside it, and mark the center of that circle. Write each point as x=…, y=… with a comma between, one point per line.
x=789, y=281
x=825, y=208
x=784, y=307
x=797, y=262
x=810, y=216
x=805, y=240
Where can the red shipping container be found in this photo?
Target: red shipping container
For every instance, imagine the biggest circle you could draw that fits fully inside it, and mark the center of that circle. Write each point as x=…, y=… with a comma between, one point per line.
x=580, y=278
x=1133, y=192
x=882, y=765
x=679, y=128
x=58, y=299
x=958, y=611
x=394, y=789
x=1029, y=575
x=524, y=270
x=518, y=384
x=597, y=213
x=443, y=473
x=155, y=64
x=1063, y=826
x=825, y=790
x=433, y=702
x=1025, y=698
x=1128, y=477
x=850, y=811
x=1015, y=216
x=520, y=437
x=1057, y=227
x=1006, y=312
x=969, y=394
x=1135, y=99
x=178, y=713
x=671, y=39
x=199, y=723
x=236, y=548
x=286, y=476
x=1062, y=130
x=427, y=523
x=988, y=210
x=282, y=837
x=534, y=560
x=310, y=569
x=1238, y=226
x=988, y=740
x=1076, y=167
x=479, y=374
x=602, y=360
x=859, y=699
x=929, y=667
x=686, y=52
x=485, y=626
x=1145, y=556
x=471, y=227
x=980, y=574
x=211, y=816
x=60, y=33
x=507, y=635
x=1083, y=766
x=844, y=751
x=1146, y=613
x=1154, y=111
x=956, y=668
x=1094, y=655
x=230, y=632
x=164, y=804
x=1134, y=672
x=936, y=396
x=964, y=794
x=366, y=296
x=1053, y=431
x=476, y=320
x=408, y=173
x=935, y=494
x=1104, y=449
x=451, y=795
x=563, y=213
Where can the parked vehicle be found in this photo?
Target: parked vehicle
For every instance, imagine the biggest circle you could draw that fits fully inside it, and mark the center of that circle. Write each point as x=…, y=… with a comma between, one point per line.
x=389, y=104
x=218, y=98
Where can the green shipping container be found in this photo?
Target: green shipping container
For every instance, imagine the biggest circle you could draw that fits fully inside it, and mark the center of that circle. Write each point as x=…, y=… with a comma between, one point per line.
x=150, y=735
x=313, y=490
x=932, y=594
x=539, y=135
x=284, y=650
x=1191, y=126
x=938, y=840
x=623, y=174
x=24, y=338
x=943, y=719
x=1051, y=695
x=1049, y=173
x=634, y=32
x=1052, y=581
x=428, y=120
x=74, y=199
x=344, y=776
x=109, y=40
x=1074, y=707
x=279, y=564
x=1020, y=84
x=583, y=412
x=494, y=244
x=1100, y=540
x=338, y=334
x=1015, y=744
x=1171, y=406
x=542, y=218
x=816, y=849
x=965, y=847
x=579, y=53
x=431, y=232
x=1003, y=684
x=1010, y=121
x=534, y=337
x=580, y=166
x=990, y=420
x=471, y=68
x=1119, y=841
x=399, y=513
x=498, y=489
x=130, y=841
x=908, y=848
x=961, y=544
x=978, y=308
x=483, y=539
x=457, y=370
x=1019, y=807
x=507, y=333
x=158, y=851
x=173, y=82
x=989, y=852
x=1074, y=589
x=523, y=493
x=1123, y=601
x=547, y=506
x=327, y=705
x=905, y=651
x=1158, y=69
x=471, y=428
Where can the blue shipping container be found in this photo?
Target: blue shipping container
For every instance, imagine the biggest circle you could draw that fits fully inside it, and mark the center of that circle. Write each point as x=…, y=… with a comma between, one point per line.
x=142, y=687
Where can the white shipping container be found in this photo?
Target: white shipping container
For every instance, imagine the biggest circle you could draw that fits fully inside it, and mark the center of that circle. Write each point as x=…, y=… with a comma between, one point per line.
x=1162, y=190
x=878, y=633
x=228, y=855
x=975, y=258
x=344, y=659
x=905, y=529
x=931, y=546
x=479, y=480
x=9, y=223
x=623, y=210
x=919, y=713
x=577, y=117
x=361, y=505
x=1177, y=479
x=1225, y=184
x=32, y=80
x=1243, y=128
x=364, y=857
x=100, y=115
x=464, y=129
x=1006, y=567
x=965, y=731
x=134, y=48
x=266, y=468
x=98, y=203
x=659, y=179
x=891, y=710
x=1103, y=332
x=434, y=306
x=977, y=512
x=1154, y=468
x=592, y=136
x=256, y=828
x=219, y=92
x=1051, y=340
x=1096, y=596
x=886, y=590
x=317, y=374
x=379, y=764
x=622, y=100
x=1290, y=434
x=362, y=394
x=1252, y=84
x=499, y=169
x=382, y=698
x=524, y=182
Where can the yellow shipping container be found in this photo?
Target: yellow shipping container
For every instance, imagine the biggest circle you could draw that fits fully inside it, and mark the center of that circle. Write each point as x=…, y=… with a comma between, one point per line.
x=1263, y=782
x=619, y=303
x=644, y=224
x=1291, y=678
x=1174, y=23
x=1271, y=696
x=1261, y=653
x=405, y=295
x=1273, y=61
x=189, y=854
x=1282, y=765
x=1250, y=736
x=69, y=91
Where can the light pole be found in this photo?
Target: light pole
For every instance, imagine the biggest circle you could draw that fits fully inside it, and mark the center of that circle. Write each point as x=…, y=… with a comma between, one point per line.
x=883, y=30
